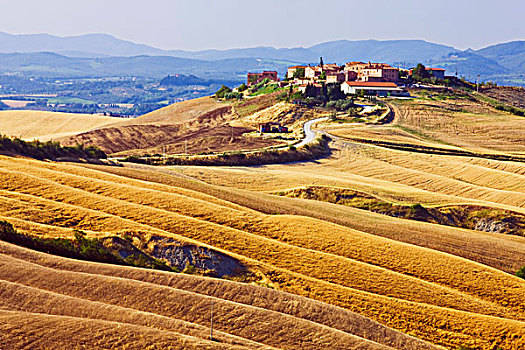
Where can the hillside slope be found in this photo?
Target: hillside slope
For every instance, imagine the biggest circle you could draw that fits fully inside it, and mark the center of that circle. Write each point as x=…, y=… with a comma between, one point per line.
x=510, y=55
x=347, y=231
x=196, y=126
x=108, y=306
x=443, y=298
x=46, y=126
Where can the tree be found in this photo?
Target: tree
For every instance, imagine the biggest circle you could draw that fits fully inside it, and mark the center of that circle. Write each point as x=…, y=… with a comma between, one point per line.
x=311, y=91
x=335, y=93
x=324, y=92
x=420, y=72
x=242, y=87
x=322, y=76
x=299, y=73
x=321, y=63
x=222, y=91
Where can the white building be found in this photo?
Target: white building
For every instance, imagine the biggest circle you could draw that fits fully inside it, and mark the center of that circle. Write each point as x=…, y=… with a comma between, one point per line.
x=372, y=88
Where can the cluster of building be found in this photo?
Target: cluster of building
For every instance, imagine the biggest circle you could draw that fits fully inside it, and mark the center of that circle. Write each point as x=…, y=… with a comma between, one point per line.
x=354, y=77
x=352, y=71
x=371, y=78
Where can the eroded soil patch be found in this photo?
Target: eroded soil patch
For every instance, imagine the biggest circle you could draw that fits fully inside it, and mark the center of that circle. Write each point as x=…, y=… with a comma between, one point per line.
x=472, y=217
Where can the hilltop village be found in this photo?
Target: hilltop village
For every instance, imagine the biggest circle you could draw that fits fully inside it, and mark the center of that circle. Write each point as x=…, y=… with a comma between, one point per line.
x=367, y=78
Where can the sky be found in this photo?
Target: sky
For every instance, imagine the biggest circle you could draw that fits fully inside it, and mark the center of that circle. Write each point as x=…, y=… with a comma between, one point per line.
x=223, y=24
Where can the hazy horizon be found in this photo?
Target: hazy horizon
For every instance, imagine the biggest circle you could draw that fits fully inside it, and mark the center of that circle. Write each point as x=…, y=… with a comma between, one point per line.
x=203, y=25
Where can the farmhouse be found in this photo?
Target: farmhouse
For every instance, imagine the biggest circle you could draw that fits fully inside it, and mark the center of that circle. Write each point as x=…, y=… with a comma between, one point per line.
x=439, y=73
x=335, y=77
x=372, y=88
x=379, y=72
x=355, y=66
x=255, y=78
x=314, y=88
x=339, y=77
x=373, y=71
x=272, y=127
x=312, y=72
x=331, y=68
x=335, y=74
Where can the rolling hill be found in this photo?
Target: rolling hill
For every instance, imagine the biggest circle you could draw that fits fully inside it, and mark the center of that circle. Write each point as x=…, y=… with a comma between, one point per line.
x=510, y=55
x=48, y=64
x=97, y=45
x=46, y=126
x=197, y=126
x=200, y=125
x=103, y=45
x=401, y=285
x=289, y=271
x=96, y=309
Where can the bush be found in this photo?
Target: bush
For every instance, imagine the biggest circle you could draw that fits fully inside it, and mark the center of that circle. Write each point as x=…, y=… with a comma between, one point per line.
x=341, y=105
x=521, y=273
x=80, y=248
x=83, y=248
x=233, y=96
x=242, y=87
x=264, y=87
x=510, y=109
x=283, y=96
x=222, y=91
x=48, y=150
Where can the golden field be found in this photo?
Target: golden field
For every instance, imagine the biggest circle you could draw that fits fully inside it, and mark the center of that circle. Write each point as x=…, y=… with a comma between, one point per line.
x=46, y=126
x=320, y=275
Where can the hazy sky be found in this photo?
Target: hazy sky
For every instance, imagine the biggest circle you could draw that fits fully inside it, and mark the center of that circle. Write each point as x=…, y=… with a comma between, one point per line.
x=220, y=24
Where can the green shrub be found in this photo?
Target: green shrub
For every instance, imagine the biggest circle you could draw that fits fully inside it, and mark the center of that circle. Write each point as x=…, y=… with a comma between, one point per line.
x=81, y=247
x=521, y=273
x=233, y=96
x=190, y=269
x=48, y=150
x=242, y=87
x=222, y=91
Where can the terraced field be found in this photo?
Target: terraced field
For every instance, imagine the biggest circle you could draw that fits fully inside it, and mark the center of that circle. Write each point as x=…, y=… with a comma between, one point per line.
x=442, y=298
x=289, y=272
x=103, y=306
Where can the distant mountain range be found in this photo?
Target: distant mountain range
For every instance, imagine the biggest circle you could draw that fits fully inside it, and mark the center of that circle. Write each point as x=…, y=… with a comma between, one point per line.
x=102, y=55
x=103, y=45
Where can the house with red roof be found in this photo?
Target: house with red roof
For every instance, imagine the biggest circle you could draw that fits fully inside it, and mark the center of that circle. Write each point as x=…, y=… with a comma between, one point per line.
x=313, y=72
x=255, y=78
x=438, y=73
x=379, y=72
x=340, y=77
x=355, y=66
